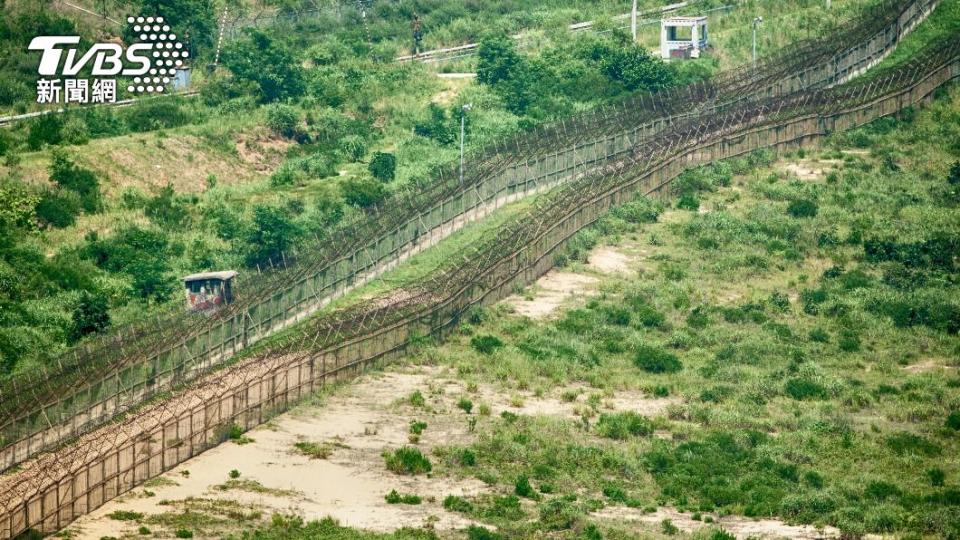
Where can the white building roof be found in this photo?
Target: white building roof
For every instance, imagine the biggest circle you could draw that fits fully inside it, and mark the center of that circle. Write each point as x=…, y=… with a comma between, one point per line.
x=224, y=275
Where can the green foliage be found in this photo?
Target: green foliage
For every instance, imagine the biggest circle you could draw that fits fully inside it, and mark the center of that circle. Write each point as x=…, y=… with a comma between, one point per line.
x=437, y=126
x=68, y=175
x=953, y=420
x=416, y=399
x=416, y=427
x=363, y=192
x=455, y=503
x=165, y=210
x=383, y=166
x=183, y=533
x=802, y=208
x=485, y=343
x=125, y=515
x=801, y=388
x=624, y=425
x=637, y=69
x=509, y=74
x=45, y=130
x=272, y=233
x=656, y=360
x=906, y=443
x=58, y=208
x=407, y=460
x=465, y=405
x=268, y=63
x=142, y=254
x=522, y=488
x=91, y=315
x=283, y=119
x=234, y=474
x=396, y=498
x=688, y=201
x=153, y=114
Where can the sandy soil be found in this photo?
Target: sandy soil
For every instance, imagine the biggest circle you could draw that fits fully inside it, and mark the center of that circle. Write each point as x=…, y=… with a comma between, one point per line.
x=609, y=261
x=361, y=421
x=738, y=526
x=552, y=291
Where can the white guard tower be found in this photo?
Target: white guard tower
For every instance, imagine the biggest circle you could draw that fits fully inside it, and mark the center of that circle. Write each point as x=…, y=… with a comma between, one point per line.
x=682, y=37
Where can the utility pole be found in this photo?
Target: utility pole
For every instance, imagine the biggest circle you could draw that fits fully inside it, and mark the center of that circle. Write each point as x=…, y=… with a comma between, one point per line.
x=633, y=21
x=756, y=22
x=463, y=125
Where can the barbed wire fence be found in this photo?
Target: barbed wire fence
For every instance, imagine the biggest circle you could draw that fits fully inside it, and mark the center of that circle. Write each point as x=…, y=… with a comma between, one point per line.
x=50, y=491
x=124, y=369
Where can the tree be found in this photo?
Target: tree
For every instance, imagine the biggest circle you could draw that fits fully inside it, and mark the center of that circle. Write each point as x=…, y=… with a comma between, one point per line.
x=383, y=166
x=272, y=66
x=89, y=316
x=272, y=234
x=637, y=69
x=437, y=126
x=191, y=20
x=58, y=207
x=81, y=181
x=501, y=67
x=165, y=210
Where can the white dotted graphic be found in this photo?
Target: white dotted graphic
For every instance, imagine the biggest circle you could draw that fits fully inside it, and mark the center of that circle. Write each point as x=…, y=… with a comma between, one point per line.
x=167, y=53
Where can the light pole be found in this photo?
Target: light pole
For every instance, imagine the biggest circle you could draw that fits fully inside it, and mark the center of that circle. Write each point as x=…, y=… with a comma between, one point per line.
x=756, y=22
x=633, y=21
x=463, y=125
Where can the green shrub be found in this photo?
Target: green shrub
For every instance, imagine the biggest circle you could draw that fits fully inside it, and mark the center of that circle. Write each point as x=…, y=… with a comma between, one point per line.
x=475, y=532
x=363, y=192
x=383, y=166
x=166, y=210
x=937, y=476
x=416, y=427
x=623, y=425
x=125, y=515
x=668, y=528
x=642, y=210
x=90, y=315
x=656, y=360
x=465, y=404
x=396, y=498
x=485, y=343
x=143, y=531
x=688, y=201
x=283, y=119
x=522, y=488
x=153, y=114
x=234, y=474
x=58, y=208
x=416, y=399
x=266, y=61
x=819, y=335
x=910, y=443
x=457, y=504
x=46, y=129
x=559, y=514
x=183, y=533
x=953, y=420
x=81, y=181
x=636, y=68
x=437, y=126
x=407, y=460
x=802, y=208
x=801, y=389
x=353, y=147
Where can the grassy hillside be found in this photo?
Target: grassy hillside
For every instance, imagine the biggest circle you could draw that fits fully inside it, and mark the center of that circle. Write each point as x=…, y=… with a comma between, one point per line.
x=252, y=168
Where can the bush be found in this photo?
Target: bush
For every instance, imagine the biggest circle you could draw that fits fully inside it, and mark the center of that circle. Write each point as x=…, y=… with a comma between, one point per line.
x=802, y=208
x=58, y=208
x=283, y=119
x=184, y=533
x=45, y=130
x=457, y=504
x=953, y=421
x=81, y=181
x=688, y=201
x=273, y=67
x=475, y=532
x=465, y=405
x=153, y=114
x=396, y=498
x=622, y=426
x=523, y=488
x=272, y=233
x=485, y=343
x=234, y=474
x=416, y=399
x=363, y=192
x=125, y=515
x=353, y=147
x=437, y=126
x=904, y=443
x=656, y=360
x=637, y=69
x=165, y=209
x=642, y=210
x=802, y=389
x=89, y=316
x=936, y=476
x=383, y=166
x=407, y=460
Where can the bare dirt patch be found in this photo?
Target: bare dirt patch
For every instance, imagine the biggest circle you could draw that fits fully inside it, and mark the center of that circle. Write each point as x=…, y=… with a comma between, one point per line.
x=609, y=261
x=738, y=526
x=359, y=423
x=550, y=292
x=929, y=364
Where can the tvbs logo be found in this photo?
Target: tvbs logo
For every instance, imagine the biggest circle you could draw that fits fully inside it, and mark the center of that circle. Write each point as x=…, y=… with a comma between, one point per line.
x=152, y=63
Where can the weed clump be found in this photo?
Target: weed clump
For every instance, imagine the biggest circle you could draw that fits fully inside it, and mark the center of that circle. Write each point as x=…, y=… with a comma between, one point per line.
x=622, y=426
x=485, y=344
x=314, y=450
x=802, y=208
x=656, y=360
x=407, y=460
x=522, y=488
x=416, y=399
x=457, y=504
x=953, y=421
x=125, y=515
x=396, y=498
x=465, y=405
